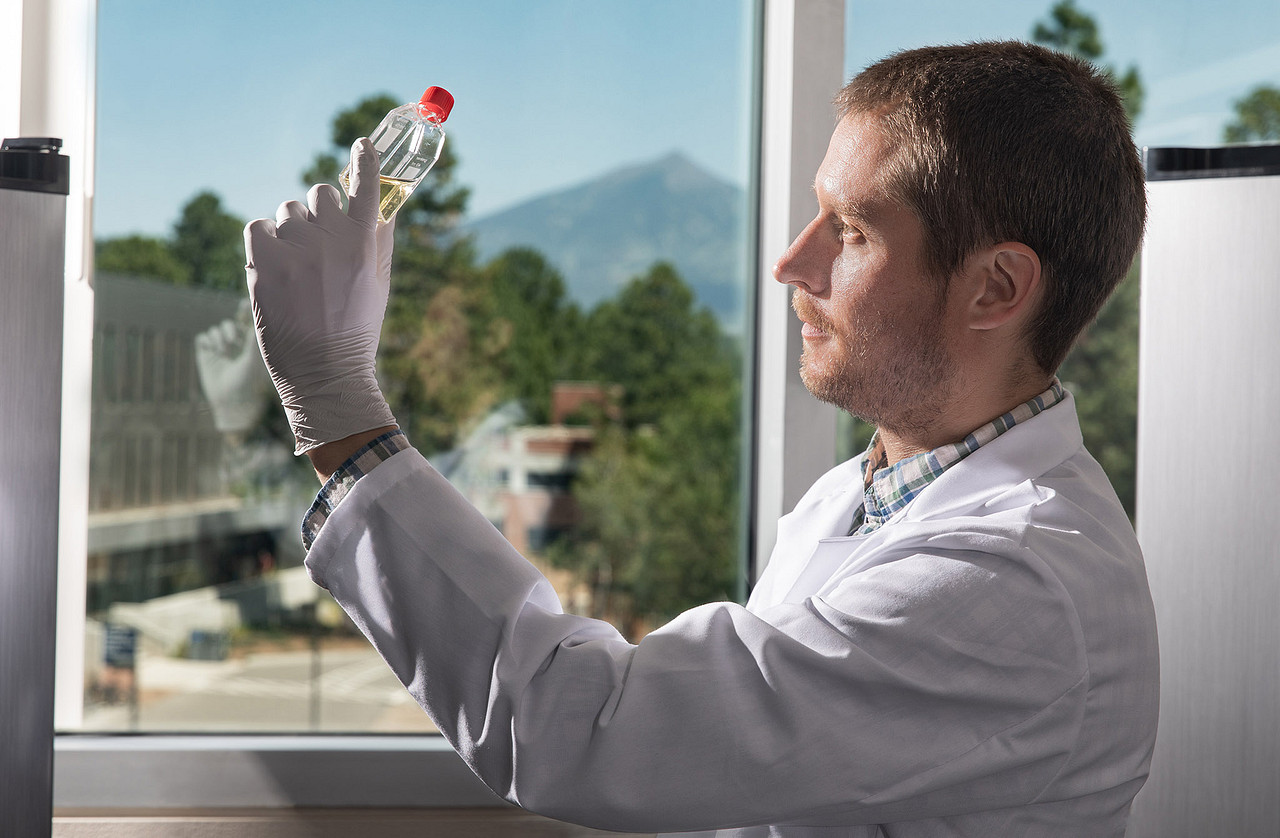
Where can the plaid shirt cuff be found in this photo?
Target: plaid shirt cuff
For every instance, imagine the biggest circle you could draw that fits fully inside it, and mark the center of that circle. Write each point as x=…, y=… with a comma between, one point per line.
x=339, y=484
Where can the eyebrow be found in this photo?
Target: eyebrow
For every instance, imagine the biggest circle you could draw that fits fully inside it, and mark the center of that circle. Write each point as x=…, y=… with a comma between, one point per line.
x=855, y=210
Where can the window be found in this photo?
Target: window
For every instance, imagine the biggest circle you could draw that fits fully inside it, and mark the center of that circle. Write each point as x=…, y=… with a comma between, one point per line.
x=575, y=272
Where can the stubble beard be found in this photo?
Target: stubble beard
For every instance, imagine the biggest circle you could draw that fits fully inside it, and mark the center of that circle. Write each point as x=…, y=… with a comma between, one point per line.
x=896, y=376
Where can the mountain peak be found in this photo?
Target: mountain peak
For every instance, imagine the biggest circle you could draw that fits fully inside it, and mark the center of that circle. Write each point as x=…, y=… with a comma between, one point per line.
x=601, y=233
x=676, y=170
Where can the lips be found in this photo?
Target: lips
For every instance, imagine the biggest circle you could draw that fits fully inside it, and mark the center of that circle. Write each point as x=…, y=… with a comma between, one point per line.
x=815, y=324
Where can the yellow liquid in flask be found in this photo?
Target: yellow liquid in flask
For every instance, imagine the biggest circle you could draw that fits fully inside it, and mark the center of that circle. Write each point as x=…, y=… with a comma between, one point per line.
x=392, y=193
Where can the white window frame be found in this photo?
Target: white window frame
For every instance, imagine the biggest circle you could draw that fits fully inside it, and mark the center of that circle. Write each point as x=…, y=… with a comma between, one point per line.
x=802, y=69
x=47, y=87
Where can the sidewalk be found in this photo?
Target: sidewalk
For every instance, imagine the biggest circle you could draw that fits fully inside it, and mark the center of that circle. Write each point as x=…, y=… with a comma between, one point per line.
x=272, y=691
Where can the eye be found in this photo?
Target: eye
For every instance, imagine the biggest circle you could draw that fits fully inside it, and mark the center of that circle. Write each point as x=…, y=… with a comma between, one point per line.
x=845, y=230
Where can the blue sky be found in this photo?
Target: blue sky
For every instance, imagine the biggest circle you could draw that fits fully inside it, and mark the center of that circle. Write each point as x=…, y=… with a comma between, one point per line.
x=237, y=96
x=1196, y=58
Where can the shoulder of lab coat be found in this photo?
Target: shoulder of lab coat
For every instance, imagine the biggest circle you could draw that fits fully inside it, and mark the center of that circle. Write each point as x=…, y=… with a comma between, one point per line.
x=959, y=507
x=939, y=667
x=1036, y=512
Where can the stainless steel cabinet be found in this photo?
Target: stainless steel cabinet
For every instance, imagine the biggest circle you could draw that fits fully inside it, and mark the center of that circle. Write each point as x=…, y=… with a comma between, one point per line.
x=33, y=190
x=1208, y=492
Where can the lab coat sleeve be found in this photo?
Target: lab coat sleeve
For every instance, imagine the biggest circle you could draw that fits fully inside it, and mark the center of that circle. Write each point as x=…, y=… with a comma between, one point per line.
x=933, y=684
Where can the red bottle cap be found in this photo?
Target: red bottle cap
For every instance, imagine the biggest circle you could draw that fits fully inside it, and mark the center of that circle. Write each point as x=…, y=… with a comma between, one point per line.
x=436, y=102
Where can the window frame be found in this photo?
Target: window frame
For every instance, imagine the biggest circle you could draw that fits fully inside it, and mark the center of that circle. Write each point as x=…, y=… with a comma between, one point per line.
x=798, y=67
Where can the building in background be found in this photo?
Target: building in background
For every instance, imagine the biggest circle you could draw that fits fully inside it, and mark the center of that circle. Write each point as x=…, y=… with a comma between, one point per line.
x=176, y=505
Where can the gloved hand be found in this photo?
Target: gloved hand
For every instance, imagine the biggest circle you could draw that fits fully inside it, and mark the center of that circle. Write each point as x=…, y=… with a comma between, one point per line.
x=318, y=280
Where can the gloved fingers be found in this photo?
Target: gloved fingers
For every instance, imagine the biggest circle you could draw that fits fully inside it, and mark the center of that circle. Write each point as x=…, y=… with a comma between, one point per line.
x=293, y=222
x=364, y=183
x=323, y=201
x=256, y=235
x=292, y=211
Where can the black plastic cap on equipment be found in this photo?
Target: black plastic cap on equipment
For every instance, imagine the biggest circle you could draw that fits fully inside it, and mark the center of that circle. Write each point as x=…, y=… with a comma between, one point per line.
x=1220, y=161
x=34, y=164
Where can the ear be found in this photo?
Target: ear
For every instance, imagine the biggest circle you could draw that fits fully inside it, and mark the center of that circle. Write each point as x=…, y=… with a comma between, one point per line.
x=1006, y=284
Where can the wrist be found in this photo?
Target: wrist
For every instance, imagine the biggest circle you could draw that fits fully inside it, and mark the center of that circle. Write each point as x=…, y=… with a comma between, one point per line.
x=327, y=457
x=334, y=412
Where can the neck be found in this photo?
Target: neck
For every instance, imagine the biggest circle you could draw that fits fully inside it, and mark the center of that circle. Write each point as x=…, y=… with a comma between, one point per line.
x=954, y=417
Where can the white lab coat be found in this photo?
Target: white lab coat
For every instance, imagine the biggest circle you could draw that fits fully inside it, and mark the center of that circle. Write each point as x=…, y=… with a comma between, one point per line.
x=984, y=664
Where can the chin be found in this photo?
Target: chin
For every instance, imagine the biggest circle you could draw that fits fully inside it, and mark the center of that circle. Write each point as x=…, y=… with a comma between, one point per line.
x=884, y=406
x=833, y=388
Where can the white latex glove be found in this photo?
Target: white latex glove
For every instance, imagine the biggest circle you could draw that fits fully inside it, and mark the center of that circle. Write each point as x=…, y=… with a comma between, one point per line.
x=318, y=279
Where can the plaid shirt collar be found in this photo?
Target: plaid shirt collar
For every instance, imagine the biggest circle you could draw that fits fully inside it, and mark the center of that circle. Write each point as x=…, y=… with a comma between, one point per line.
x=890, y=488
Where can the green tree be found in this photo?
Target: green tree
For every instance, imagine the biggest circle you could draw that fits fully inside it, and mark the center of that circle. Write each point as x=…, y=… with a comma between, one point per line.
x=613, y=540
x=1102, y=373
x=695, y=504
x=654, y=342
x=210, y=242
x=537, y=326
x=1076, y=32
x=1257, y=117
x=447, y=378
x=141, y=256
x=1070, y=30
x=206, y=249
x=658, y=505
x=658, y=493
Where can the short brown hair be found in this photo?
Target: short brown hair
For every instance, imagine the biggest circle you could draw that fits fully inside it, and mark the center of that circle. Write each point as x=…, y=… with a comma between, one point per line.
x=1006, y=141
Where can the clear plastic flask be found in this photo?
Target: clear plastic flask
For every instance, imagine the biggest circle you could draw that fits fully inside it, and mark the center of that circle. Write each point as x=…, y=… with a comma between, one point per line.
x=409, y=141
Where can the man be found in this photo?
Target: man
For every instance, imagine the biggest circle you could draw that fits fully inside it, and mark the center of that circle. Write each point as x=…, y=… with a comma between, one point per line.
x=954, y=634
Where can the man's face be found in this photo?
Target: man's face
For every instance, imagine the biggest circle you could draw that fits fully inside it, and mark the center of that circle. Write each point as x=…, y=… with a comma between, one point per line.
x=874, y=335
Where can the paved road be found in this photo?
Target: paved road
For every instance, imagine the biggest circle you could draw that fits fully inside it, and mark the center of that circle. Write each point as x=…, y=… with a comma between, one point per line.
x=267, y=692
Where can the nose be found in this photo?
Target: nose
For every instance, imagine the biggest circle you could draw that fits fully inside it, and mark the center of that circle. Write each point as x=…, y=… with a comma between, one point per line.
x=807, y=262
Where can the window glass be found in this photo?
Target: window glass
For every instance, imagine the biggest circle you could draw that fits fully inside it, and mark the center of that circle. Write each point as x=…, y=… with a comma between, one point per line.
x=1193, y=75
x=565, y=338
